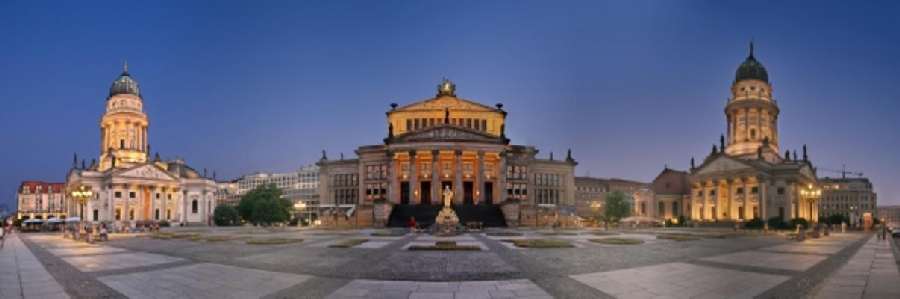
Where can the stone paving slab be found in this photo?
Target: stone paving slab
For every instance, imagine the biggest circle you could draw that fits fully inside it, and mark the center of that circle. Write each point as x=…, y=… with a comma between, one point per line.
x=202, y=281
x=762, y=259
x=363, y=288
x=23, y=276
x=680, y=280
x=871, y=273
x=84, y=250
x=806, y=248
x=94, y=263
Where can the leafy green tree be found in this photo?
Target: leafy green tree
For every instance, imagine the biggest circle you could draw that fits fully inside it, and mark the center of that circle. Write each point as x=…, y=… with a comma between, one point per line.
x=616, y=206
x=264, y=206
x=226, y=215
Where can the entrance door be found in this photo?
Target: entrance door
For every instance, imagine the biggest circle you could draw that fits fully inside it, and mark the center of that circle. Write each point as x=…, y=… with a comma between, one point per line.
x=468, y=197
x=404, y=193
x=425, y=192
x=488, y=193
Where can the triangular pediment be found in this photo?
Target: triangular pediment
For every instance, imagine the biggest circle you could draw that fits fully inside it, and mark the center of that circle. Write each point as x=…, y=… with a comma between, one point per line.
x=722, y=164
x=447, y=133
x=444, y=102
x=148, y=171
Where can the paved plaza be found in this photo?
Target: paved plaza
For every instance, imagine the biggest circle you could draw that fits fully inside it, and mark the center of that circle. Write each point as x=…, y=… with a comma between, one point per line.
x=219, y=263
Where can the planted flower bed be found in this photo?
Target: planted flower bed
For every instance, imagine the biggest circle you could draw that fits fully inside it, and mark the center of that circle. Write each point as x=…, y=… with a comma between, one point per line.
x=273, y=241
x=541, y=243
x=444, y=246
x=677, y=237
x=348, y=243
x=618, y=241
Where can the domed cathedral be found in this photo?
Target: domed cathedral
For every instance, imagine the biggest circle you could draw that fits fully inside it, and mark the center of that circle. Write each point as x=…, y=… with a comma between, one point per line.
x=744, y=176
x=752, y=113
x=126, y=187
x=447, y=146
x=123, y=128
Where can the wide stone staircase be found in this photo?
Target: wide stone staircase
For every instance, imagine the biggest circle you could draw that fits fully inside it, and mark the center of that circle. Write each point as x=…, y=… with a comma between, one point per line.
x=488, y=215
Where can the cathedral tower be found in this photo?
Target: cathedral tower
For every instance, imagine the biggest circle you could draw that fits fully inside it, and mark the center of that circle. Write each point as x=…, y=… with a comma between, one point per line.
x=123, y=128
x=751, y=112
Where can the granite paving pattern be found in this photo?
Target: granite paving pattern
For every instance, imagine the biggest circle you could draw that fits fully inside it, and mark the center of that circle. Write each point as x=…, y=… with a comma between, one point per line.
x=202, y=281
x=22, y=275
x=871, y=273
x=680, y=280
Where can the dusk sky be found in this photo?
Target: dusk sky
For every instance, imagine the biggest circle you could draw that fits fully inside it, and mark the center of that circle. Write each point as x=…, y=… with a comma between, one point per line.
x=629, y=86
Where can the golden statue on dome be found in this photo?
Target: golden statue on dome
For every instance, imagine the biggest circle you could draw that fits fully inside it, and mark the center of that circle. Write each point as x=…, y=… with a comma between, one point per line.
x=447, y=88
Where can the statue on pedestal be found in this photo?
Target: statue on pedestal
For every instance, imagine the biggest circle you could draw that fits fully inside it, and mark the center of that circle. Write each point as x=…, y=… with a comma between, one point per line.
x=446, y=218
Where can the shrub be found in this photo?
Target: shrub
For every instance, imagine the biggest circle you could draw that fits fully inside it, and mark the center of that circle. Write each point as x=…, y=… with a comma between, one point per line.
x=164, y=223
x=226, y=215
x=777, y=223
x=837, y=219
x=754, y=223
x=802, y=222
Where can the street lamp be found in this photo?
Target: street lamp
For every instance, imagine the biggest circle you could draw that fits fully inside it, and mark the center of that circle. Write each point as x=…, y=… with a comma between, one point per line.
x=82, y=194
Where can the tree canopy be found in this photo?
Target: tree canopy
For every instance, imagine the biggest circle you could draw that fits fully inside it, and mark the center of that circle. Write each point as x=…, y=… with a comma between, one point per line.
x=616, y=206
x=226, y=215
x=264, y=206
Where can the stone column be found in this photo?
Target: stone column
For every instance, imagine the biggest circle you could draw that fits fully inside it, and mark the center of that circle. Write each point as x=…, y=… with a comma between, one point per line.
x=435, y=177
x=126, y=195
x=763, y=198
x=501, y=178
x=748, y=210
x=479, y=185
x=153, y=206
x=413, y=177
x=392, y=178
x=458, y=183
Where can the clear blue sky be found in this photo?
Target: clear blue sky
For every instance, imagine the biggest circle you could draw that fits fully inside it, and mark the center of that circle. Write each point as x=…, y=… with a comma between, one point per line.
x=630, y=86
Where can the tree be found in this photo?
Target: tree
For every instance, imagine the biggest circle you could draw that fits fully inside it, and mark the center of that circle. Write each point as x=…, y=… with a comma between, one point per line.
x=616, y=206
x=226, y=215
x=264, y=206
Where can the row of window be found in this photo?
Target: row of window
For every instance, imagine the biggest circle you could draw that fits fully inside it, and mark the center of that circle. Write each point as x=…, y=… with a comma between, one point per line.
x=547, y=196
x=517, y=191
x=740, y=190
x=345, y=180
x=547, y=179
x=376, y=191
x=516, y=172
x=414, y=124
x=345, y=196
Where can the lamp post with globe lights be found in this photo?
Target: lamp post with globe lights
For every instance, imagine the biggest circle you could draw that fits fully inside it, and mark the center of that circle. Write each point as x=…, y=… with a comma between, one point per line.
x=81, y=195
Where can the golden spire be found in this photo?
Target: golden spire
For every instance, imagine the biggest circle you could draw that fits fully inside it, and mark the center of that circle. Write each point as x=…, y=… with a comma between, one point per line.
x=447, y=88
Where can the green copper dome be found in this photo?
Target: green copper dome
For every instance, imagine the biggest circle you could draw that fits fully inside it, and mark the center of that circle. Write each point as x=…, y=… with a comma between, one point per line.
x=125, y=84
x=751, y=69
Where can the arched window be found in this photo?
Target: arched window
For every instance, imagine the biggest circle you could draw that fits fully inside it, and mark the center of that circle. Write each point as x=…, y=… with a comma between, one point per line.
x=194, y=206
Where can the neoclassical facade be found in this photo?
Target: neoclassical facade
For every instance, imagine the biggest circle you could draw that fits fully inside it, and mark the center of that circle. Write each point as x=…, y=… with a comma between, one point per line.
x=126, y=185
x=448, y=142
x=41, y=200
x=745, y=176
